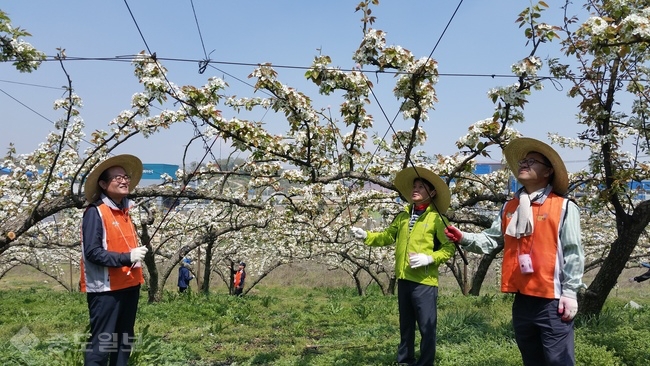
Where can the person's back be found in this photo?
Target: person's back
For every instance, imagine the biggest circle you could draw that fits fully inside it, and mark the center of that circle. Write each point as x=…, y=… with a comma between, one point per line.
x=184, y=275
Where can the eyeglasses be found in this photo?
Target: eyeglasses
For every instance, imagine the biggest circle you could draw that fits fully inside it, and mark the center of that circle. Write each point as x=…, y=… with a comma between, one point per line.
x=527, y=163
x=121, y=178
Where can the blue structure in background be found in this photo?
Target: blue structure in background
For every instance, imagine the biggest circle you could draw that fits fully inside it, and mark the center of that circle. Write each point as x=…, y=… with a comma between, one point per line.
x=151, y=175
x=486, y=168
x=154, y=171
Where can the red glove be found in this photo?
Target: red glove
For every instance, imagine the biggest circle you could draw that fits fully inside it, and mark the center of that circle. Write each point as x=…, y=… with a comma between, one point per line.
x=453, y=234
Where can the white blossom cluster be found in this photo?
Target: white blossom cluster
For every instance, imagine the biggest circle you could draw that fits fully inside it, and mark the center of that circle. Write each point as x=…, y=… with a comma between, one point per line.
x=595, y=26
x=373, y=41
x=482, y=129
x=639, y=23
x=529, y=66
x=13, y=48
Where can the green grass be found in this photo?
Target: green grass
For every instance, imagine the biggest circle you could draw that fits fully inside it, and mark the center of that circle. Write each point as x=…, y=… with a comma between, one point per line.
x=299, y=326
x=310, y=323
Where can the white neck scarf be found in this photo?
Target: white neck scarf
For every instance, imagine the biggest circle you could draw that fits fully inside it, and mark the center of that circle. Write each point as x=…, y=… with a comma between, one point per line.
x=521, y=223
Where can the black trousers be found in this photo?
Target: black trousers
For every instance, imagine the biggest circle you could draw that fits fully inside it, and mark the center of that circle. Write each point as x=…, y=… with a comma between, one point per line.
x=112, y=318
x=542, y=337
x=417, y=303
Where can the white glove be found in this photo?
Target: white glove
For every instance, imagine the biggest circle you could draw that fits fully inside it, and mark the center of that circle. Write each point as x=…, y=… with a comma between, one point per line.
x=419, y=260
x=568, y=307
x=359, y=233
x=137, y=254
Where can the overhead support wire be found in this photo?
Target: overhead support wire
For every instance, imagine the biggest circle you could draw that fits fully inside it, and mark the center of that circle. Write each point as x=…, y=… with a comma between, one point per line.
x=196, y=20
x=390, y=127
x=211, y=63
x=203, y=64
x=34, y=85
x=155, y=58
x=208, y=147
x=26, y=106
x=390, y=122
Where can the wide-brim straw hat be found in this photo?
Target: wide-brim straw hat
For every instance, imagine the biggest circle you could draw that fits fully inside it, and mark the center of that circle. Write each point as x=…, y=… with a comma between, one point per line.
x=518, y=148
x=131, y=165
x=404, y=184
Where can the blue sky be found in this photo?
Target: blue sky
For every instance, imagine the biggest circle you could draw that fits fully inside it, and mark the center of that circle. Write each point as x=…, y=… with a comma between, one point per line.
x=482, y=39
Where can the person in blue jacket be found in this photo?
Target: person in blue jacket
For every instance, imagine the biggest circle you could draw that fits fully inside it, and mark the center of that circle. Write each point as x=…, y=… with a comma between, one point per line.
x=184, y=275
x=421, y=246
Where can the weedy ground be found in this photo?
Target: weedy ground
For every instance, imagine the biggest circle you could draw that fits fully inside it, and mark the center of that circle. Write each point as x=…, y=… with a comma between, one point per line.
x=296, y=318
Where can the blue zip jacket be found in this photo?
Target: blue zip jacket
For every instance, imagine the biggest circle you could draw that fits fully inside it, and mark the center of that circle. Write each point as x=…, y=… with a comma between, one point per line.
x=184, y=277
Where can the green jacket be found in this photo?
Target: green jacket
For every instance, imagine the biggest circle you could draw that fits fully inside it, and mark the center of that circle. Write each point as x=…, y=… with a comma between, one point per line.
x=418, y=240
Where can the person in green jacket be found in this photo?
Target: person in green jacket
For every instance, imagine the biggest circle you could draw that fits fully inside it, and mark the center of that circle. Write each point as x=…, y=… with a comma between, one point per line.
x=421, y=246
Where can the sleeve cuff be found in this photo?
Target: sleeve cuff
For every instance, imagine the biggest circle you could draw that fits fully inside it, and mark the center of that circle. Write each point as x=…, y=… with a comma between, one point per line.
x=464, y=241
x=570, y=294
x=125, y=259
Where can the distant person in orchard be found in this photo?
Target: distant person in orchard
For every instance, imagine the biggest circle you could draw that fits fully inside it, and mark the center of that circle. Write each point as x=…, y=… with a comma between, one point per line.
x=184, y=275
x=644, y=276
x=420, y=248
x=111, y=270
x=543, y=259
x=240, y=278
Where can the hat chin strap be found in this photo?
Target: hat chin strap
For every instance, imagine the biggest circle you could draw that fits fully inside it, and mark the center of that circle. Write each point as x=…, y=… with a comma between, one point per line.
x=423, y=204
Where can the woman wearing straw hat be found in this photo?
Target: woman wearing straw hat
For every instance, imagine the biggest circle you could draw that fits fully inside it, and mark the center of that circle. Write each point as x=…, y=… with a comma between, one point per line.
x=111, y=273
x=420, y=248
x=543, y=259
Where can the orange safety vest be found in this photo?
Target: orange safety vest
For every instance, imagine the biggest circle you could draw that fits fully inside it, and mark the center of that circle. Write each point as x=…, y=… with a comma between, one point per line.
x=119, y=236
x=544, y=247
x=238, y=278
